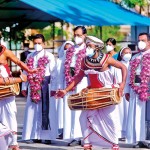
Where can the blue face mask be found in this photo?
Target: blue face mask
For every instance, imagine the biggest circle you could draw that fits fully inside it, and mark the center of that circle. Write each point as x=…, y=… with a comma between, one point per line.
x=90, y=52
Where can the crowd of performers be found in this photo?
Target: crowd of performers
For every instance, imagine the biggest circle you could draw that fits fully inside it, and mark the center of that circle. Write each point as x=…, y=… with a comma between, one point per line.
x=81, y=65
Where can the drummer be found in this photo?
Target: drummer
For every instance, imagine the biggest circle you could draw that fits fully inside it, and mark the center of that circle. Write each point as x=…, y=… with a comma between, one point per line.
x=5, y=131
x=8, y=105
x=100, y=126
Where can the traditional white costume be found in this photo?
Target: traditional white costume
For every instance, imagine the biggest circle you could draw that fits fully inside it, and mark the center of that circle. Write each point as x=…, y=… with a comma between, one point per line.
x=99, y=126
x=33, y=127
x=8, y=110
x=104, y=121
x=5, y=133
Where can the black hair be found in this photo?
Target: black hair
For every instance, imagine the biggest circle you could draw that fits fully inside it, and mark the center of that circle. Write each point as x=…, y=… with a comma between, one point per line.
x=84, y=31
x=144, y=33
x=119, y=58
x=112, y=40
x=39, y=36
x=26, y=44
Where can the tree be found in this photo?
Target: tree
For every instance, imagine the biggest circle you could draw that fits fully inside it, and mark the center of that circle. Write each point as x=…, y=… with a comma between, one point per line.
x=137, y=5
x=106, y=32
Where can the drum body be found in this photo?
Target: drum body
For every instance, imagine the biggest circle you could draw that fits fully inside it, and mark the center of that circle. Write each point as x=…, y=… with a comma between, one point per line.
x=9, y=90
x=94, y=99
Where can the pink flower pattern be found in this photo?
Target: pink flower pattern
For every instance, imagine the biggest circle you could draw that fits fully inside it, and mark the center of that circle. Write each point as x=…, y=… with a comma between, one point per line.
x=69, y=55
x=35, y=79
x=143, y=90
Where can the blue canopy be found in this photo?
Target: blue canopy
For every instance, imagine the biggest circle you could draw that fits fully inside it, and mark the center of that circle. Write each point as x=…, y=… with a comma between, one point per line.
x=89, y=12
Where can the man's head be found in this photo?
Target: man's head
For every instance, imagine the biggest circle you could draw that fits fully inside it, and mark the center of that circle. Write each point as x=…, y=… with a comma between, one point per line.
x=79, y=34
x=38, y=41
x=94, y=45
x=143, y=41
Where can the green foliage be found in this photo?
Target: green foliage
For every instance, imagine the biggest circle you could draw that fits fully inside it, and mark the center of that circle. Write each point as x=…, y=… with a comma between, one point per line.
x=48, y=32
x=132, y=3
x=15, y=35
x=93, y=31
x=112, y=31
x=106, y=32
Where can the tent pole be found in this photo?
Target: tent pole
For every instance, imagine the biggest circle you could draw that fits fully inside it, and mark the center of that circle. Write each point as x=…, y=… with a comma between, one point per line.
x=62, y=31
x=100, y=28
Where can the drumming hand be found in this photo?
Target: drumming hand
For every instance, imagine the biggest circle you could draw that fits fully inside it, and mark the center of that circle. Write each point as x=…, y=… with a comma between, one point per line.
x=84, y=90
x=60, y=93
x=24, y=93
x=121, y=87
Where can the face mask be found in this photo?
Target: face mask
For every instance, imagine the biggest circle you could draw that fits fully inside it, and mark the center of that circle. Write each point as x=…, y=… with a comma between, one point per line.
x=141, y=45
x=38, y=47
x=90, y=52
x=109, y=48
x=78, y=40
x=126, y=57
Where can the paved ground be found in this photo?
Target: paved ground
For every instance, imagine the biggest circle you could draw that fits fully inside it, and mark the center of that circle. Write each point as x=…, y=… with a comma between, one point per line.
x=56, y=145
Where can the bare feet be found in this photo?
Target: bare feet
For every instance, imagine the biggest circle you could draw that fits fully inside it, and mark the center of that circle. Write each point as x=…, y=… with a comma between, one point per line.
x=87, y=147
x=14, y=147
x=115, y=147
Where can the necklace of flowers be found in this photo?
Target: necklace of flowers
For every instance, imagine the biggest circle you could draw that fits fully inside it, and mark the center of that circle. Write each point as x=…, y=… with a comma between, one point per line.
x=35, y=79
x=69, y=55
x=143, y=90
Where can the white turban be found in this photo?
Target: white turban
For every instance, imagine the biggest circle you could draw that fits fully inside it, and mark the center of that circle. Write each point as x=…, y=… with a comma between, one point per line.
x=95, y=41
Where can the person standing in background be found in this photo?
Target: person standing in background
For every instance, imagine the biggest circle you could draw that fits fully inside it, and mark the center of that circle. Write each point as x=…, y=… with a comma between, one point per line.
x=138, y=93
x=124, y=57
x=25, y=53
x=40, y=115
x=74, y=55
x=110, y=48
x=60, y=84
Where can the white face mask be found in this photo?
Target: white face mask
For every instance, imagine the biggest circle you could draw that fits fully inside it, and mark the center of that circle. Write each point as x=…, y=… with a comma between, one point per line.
x=141, y=45
x=109, y=48
x=38, y=47
x=90, y=52
x=126, y=57
x=78, y=40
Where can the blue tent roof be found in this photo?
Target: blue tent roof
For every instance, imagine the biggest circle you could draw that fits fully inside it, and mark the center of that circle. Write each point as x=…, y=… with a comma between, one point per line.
x=89, y=12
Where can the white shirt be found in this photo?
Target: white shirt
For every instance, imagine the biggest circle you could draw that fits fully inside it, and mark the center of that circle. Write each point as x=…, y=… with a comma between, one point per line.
x=50, y=69
x=74, y=57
